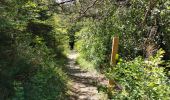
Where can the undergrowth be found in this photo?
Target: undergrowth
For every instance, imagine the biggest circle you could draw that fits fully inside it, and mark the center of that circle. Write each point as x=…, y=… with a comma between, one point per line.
x=85, y=64
x=44, y=78
x=139, y=79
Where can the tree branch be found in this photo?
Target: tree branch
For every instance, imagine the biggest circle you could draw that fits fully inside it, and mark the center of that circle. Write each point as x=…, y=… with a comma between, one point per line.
x=83, y=13
x=67, y=1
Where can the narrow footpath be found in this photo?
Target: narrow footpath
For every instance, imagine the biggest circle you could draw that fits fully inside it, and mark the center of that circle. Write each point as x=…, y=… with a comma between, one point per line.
x=84, y=83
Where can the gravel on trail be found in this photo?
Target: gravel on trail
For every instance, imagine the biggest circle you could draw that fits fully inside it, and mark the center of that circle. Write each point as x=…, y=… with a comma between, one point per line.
x=83, y=85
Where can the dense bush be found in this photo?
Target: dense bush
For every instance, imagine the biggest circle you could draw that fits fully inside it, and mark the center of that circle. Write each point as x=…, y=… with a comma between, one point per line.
x=39, y=75
x=29, y=49
x=94, y=42
x=140, y=33
x=140, y=79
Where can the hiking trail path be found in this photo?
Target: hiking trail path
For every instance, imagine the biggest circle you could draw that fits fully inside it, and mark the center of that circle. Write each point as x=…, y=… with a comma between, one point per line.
x=83, y=85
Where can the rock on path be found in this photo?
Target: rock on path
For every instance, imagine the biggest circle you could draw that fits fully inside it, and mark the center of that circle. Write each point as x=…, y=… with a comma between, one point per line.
x=84, y=83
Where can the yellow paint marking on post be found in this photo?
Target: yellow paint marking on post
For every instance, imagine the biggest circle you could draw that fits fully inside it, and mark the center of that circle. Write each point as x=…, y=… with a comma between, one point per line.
x=115, y=44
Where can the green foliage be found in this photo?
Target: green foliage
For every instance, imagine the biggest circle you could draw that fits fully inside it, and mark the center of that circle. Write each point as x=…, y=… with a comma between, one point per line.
x=135, y=31
x=141, y=79
x=29, y=49
x=94, y=42
x=46, y=85
x=40, y=76
x=33, y=36
x=84, y=64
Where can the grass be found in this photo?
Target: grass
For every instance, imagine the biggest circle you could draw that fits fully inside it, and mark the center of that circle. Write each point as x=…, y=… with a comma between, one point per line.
x=85, y=64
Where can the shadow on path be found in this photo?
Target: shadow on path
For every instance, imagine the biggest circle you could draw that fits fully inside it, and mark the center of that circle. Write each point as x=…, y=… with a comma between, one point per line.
x=84, y=83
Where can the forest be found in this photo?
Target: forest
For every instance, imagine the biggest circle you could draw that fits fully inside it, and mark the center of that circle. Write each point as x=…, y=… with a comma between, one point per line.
x=62, y=50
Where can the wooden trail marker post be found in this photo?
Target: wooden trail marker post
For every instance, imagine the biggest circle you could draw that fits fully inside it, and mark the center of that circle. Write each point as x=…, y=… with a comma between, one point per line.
x=115, y=44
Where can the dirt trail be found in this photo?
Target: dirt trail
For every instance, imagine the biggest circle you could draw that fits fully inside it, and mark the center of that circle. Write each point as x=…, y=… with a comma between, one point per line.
x=84, y=83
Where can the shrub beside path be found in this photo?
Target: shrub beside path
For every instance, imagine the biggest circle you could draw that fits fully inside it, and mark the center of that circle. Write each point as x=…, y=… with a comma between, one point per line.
x=83, y=85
